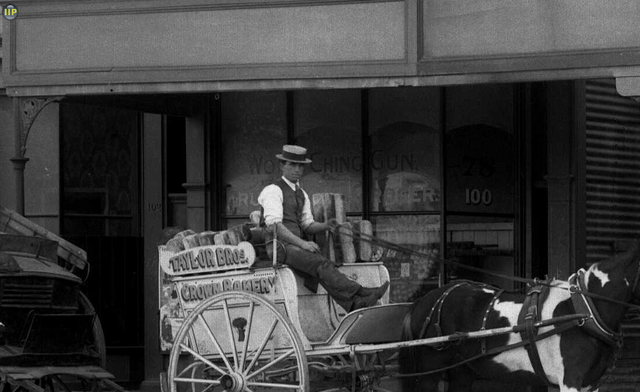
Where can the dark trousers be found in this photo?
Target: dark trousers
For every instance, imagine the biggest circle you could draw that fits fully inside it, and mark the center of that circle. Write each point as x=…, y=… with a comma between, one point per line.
x=339, y=286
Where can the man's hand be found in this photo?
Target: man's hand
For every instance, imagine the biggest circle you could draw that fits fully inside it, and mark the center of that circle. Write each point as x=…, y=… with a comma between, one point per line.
x=332, y=225
x=320, y=227
x=310, y=246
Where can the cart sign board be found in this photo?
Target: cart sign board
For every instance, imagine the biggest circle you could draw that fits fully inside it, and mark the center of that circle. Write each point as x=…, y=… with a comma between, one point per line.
x=200, y=290
x=209, y=259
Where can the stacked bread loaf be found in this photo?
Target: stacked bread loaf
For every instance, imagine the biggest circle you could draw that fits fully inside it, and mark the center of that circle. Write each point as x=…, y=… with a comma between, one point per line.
x=188, y=239
x=346, y=245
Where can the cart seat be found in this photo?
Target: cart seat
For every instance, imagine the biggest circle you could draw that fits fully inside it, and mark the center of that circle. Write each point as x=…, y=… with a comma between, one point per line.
x=319, y=315
x=377, y=324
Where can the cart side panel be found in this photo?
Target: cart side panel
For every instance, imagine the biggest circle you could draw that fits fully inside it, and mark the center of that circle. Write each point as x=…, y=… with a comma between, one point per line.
x=181, y=295
x=171, y=314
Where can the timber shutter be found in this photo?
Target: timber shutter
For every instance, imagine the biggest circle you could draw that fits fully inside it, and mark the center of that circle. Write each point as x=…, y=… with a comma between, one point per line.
x=613, y=200
x=613, y=168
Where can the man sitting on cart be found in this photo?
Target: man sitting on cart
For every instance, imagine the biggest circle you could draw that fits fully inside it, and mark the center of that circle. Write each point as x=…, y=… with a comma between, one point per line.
x=287, y=209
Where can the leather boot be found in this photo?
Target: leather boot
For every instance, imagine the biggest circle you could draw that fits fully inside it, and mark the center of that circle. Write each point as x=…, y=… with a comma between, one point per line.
x=370, y=297
x=367, y=291
x=364, y=302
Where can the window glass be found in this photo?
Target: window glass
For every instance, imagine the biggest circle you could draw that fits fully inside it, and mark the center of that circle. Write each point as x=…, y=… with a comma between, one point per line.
x=480, y=149
x=481, y=242
x=480, y=156
x=254, y=130
x=328, y=124
x=404, y=128
x=100, y=170
x=410, y=272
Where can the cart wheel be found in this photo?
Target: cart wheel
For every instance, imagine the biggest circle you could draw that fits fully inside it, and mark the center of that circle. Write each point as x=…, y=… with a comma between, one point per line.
x=95, y=343
x=238, y=342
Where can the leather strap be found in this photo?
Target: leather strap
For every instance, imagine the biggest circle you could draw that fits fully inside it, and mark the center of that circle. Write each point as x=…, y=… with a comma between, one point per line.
x=584, y=304
x=436, y=308
x=531, y=315
x=483, y=341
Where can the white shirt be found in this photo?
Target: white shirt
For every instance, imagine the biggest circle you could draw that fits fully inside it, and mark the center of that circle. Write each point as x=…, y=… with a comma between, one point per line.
x=271, y=200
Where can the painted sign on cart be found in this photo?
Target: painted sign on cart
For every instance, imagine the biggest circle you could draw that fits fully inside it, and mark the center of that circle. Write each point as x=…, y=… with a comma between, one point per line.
x=200, y=290
x=209, y=259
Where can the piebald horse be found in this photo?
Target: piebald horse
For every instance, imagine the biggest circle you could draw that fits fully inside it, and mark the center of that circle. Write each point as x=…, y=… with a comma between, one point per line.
x=572, y=350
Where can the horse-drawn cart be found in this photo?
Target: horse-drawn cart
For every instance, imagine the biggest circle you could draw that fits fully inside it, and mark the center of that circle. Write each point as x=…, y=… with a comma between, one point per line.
x=50, y=336
x=244, y=327
x=249, y=327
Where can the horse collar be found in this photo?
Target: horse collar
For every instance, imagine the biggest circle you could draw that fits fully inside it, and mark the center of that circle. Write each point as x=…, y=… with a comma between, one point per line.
x=584, y=304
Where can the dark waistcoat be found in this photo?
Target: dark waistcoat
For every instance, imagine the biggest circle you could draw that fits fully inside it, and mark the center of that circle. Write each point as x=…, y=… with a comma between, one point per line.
x=292, y=204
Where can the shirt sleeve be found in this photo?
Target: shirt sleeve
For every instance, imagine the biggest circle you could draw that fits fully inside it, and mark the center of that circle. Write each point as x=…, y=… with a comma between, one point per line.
x=271, y=201
x=307, y=216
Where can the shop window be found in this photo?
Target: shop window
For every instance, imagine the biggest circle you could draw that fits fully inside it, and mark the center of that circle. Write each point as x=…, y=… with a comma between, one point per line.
x=328, y=124
x=100, y=163
x=480, y=172
x=383, y=149
x=254, y=128
x=405, y=194
x=412, y=272
x=486, y=243
x=405, y=150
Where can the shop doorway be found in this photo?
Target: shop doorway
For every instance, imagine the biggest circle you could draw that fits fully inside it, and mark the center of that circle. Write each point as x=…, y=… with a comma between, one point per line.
x=100, y=212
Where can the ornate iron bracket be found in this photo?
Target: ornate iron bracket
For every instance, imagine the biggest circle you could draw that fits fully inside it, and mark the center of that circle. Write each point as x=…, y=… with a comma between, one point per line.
x=29, y=109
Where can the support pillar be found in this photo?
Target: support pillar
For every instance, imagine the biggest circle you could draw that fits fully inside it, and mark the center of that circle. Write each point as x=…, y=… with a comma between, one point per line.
x=19, y=163
x=153, y=208
x=561, y=179
x=25, y=111
x=197, y=173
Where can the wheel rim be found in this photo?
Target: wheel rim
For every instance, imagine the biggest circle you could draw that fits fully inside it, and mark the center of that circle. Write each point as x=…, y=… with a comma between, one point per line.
x=238, y=342
x=97, y=343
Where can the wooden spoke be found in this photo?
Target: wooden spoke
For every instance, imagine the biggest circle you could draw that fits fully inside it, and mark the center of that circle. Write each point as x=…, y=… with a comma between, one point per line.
x=211, y=368
x=214, y=340
x=262, y=346
x=227, y=318
x=200, y=357
x=272, y=364
x=198, y=380
x=192, y=366
x=248, y=335
x=273, y=385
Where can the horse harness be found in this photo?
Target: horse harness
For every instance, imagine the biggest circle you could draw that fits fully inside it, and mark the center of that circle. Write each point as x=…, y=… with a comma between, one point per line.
x=584, y=304
x=529, y=316
x=434, y=315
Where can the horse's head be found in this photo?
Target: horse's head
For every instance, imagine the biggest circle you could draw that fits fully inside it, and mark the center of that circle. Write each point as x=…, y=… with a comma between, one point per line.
x=617, y=277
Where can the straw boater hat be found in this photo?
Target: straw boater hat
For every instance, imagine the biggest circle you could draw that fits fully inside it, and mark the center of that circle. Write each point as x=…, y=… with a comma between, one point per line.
x=293, y=153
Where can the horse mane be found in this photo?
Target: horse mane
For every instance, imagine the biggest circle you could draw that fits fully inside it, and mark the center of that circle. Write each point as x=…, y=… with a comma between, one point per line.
x=631, y=254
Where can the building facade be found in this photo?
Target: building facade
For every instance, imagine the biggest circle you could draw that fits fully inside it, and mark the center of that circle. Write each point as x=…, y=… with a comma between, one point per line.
x=500, y=134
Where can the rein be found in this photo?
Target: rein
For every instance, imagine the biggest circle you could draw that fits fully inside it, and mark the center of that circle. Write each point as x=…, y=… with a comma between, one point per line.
x=573, y=289
x=566, y=322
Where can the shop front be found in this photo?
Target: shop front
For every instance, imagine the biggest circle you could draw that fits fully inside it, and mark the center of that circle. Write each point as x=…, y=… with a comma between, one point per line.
x=391, y=153
x=487, y=134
